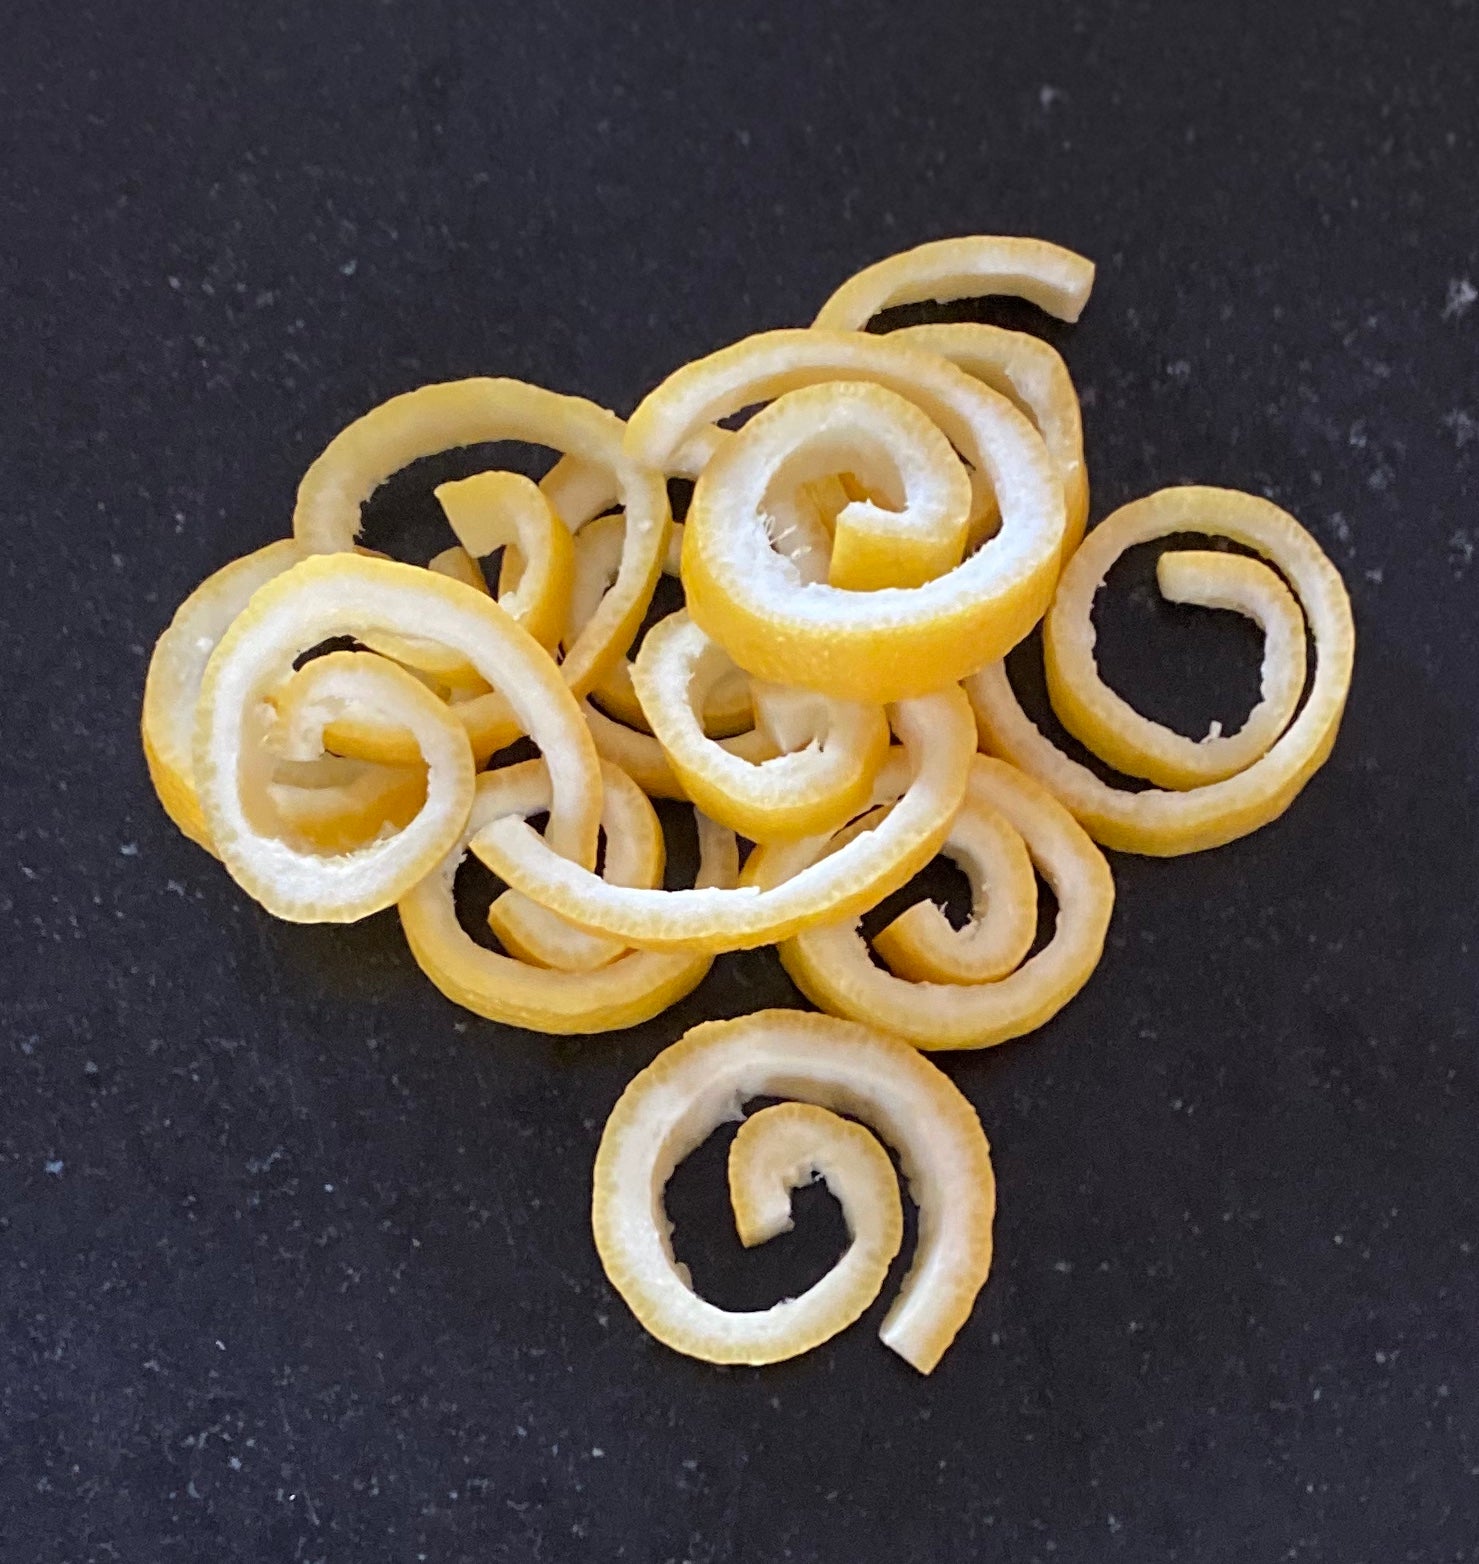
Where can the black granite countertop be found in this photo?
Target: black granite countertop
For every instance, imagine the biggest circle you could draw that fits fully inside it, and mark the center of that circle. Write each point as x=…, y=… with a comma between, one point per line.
x=294, y=1256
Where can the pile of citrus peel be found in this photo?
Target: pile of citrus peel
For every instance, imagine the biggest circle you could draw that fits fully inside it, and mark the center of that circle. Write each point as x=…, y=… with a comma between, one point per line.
x=893, y=515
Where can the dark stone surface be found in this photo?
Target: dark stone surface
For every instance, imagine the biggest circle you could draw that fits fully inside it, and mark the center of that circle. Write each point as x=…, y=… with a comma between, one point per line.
x=294, y=1262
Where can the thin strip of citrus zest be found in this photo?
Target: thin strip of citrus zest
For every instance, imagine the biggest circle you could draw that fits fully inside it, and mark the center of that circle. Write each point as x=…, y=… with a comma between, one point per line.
x=1156, y=821
x=633, y=988
x=976, y=266
x=598, y=548
x=176, y=668
x=493, y=510
x=937, y=736
x=1109, y=726
x=873, y=646
x=922, y=945
x=488, y=511
x=704, y=1079
x=820, y=779
x=329, y=803
x=455, y=413
x=280, y=871
x=893, y=451
x=831, y=966
x=346, y=595
x=1032, y=373
x=644, y=760
x=579, y=490
x=635, y=855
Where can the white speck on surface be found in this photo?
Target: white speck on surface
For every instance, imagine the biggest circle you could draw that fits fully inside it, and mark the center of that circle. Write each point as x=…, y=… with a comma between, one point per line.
x=1461, y=296
x=350, y=267
x=1462, y=426
x=1461, y=546
x=55, y=1167
x=129, y=850
x=1048, y=96
x=597, y=1452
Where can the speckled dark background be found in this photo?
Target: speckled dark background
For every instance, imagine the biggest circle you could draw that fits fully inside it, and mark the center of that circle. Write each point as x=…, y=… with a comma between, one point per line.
x=294, y=1262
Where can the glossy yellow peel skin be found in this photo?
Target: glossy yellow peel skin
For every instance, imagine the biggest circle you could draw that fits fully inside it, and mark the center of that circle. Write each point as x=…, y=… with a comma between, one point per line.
x=874, y=646
x=493, y=510
x=837, y=1068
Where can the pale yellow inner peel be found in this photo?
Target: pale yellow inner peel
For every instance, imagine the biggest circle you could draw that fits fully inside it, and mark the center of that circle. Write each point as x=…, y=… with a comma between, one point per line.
x=1158, y=821
x=704, y=1079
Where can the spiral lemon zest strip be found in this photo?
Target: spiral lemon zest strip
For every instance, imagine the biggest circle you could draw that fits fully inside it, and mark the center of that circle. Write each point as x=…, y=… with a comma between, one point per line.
x=821, y=778
x=831, y=966
x=635, y=855
x=704, y=1079
x=875, y=646
x=634, y=987
x=1161, y=822
x=939, y=742
x=974, y=267
x=177, y=667
x=454, y=413
x=1108, y=725
x=646, y=762
x=493, y=510
x=346, y=595
x=923, y=946
x=1034, y=376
